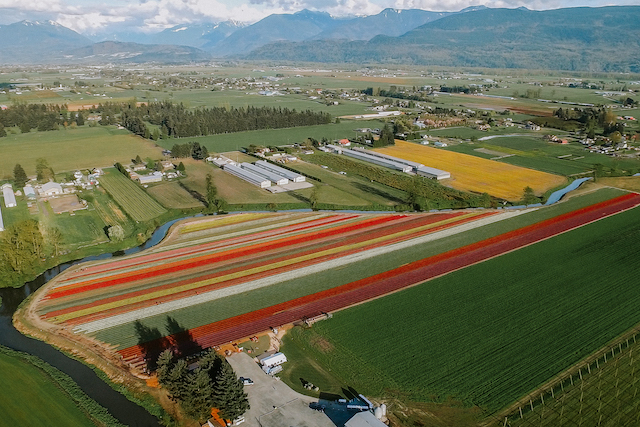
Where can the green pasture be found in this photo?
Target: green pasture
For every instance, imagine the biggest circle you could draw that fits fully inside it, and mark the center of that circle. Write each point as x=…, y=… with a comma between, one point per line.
x=28, y=396
x=202, y=314
x=71, y=149
x=234, y=141
x=130, y=196
x=172, y=196
x=492, y=332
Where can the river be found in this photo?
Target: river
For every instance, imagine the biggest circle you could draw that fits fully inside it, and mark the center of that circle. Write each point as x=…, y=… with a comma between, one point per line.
x=117, y=404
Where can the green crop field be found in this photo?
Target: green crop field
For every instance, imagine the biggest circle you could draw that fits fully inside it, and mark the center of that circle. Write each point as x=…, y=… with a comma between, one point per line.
x=172, y=196
x=71, y=149
x=138, y=204
x=28, y=396
x=490, y=333
x=603, y=393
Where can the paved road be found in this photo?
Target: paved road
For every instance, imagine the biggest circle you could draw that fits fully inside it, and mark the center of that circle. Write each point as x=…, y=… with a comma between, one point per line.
x=273, y=403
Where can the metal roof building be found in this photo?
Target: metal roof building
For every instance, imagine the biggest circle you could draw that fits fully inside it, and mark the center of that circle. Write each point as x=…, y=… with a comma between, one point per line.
x=290, y=175
x=273, y=177
x=9, y=196
x=433, y=173
x=1, y=221
x=250, y=177
x=414, y=165
x=380, y=161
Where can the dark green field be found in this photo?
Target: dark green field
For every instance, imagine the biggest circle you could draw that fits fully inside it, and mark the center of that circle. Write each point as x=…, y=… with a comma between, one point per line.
x=490, y=333
x=28, y=397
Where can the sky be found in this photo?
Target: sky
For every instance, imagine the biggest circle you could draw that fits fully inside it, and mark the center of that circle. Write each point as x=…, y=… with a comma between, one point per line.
x=150, y=16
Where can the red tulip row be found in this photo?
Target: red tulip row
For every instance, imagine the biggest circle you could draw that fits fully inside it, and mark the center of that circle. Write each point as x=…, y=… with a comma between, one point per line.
x=413, y=273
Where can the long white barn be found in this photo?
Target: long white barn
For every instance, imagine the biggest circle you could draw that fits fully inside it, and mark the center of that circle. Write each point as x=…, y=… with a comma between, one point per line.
x=377, y=160
x=275, y=178
x=247, y=176
x=9, y=196
x=290, y=175
x=419, y=168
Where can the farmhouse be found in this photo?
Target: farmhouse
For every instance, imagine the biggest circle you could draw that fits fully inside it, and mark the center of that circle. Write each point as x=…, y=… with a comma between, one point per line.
x=51, y=189
x=273, y=177
x=246, y=175
x=290, y=175
x=9, y=196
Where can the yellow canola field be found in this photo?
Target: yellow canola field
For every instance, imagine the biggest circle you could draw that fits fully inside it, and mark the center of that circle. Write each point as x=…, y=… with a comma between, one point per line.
x=470, y=173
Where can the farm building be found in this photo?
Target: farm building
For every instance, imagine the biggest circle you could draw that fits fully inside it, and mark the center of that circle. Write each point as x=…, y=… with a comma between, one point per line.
x=433, y=173
x=380, y=161
x=29, y=192
x=1, y=221
x=273, y=177
x=9, y=196
x=333, y=149
x=247, y=176
x=274, y=360
x=344, y=142
x=152, y=177
x=51, y=189
x=290, y=175
x=414, y=165
x=364, y=419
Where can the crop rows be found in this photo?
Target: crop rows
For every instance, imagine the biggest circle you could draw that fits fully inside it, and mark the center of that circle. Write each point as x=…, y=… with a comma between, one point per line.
x=250, y=255
x=335, y=298
x=138, y=204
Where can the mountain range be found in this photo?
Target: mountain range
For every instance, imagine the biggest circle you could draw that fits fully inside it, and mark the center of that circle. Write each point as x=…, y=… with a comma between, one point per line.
x=592, y=39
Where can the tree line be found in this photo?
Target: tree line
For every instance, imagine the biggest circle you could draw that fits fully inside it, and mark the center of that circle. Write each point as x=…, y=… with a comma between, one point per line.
x=175, y=120
x=42, y=117
x=213, y=384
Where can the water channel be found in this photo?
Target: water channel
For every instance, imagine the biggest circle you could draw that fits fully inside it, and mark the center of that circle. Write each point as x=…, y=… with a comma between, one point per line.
x=119, y=406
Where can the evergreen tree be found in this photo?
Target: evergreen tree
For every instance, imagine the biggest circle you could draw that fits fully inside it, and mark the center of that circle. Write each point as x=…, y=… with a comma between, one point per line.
x=212, y=192
x=19, y=176
x=229, y=395
x=181, y=167
x=199, y=401
x=80, y=118
x=164, y=366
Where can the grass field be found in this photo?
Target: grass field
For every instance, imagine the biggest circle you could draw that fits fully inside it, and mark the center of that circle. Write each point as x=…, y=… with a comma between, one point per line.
x=492, y=332
x=28, y=396
x=234, y=141
x=470, y=173
x=172, y=196
x=138, y=204
x=72, y=149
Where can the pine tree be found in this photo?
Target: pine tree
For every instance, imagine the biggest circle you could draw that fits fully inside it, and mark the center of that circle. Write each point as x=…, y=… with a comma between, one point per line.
x=229, y=395
x=19, y=176
x=199, y=401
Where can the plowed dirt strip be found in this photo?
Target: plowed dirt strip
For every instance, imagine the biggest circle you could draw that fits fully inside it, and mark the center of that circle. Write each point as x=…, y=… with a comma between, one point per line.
x=220, y=256
x=287, y=276
x=393, y=280
x=106, y=269
x=390, y=235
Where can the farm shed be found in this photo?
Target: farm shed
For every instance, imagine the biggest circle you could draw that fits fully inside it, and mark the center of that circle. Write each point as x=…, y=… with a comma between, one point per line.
x=414, y=165
x=1, y=221
x=153, y=177
x=274, y=360
x=51, y=189
x=29, y=192
x=273, y=177
x=247, y=176
x=9, y=196
x=290, y=175
x=364, y=419
x=377, y=160
x=433, y=173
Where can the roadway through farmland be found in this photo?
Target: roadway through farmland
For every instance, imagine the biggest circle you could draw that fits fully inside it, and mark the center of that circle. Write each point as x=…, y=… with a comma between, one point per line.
x=408, y=275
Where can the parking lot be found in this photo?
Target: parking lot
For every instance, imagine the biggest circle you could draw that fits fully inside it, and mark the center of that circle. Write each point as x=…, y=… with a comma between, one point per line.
x=273, y=403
